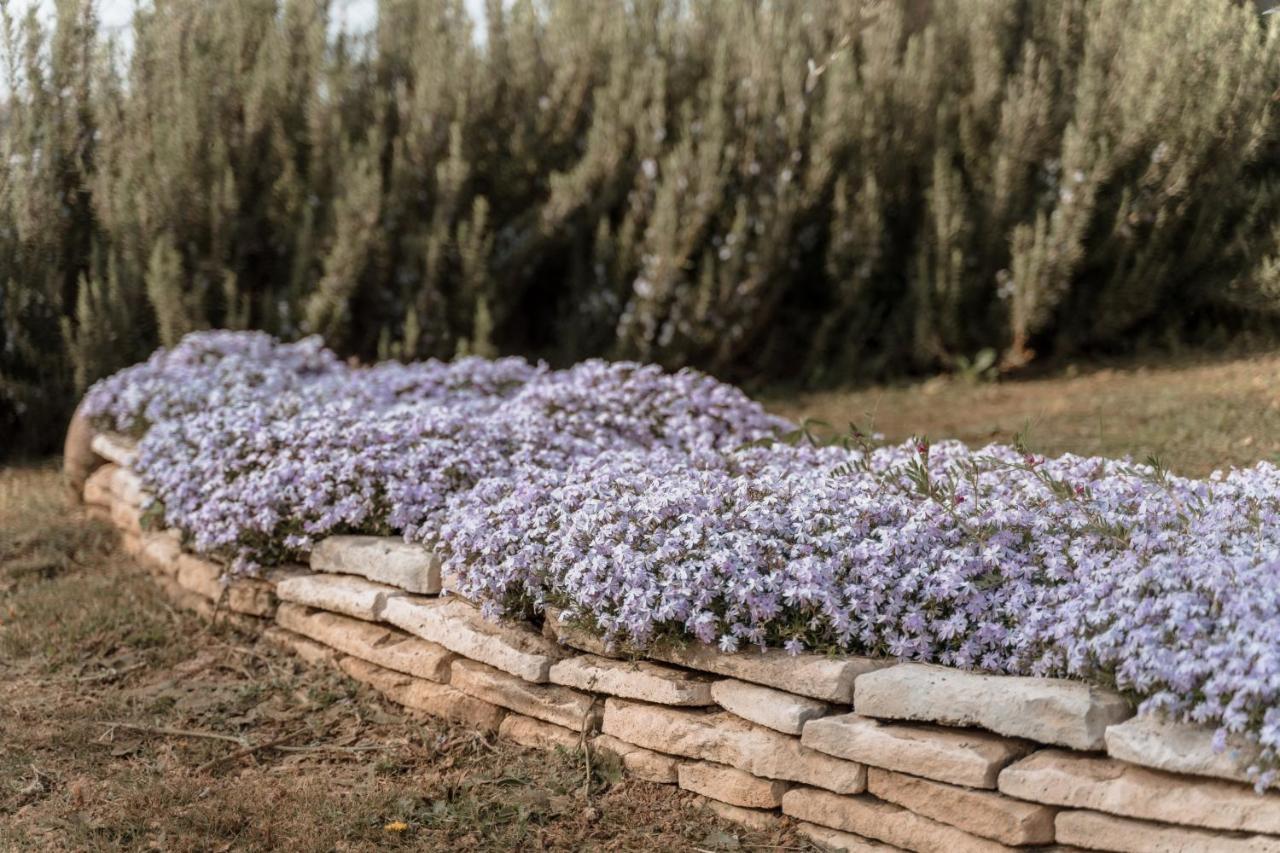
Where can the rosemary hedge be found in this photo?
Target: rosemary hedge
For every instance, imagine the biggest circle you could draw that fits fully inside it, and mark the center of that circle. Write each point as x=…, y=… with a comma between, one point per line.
x=812, y=191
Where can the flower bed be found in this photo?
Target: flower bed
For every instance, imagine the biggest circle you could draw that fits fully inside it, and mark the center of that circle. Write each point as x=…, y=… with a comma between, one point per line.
x=625, y=497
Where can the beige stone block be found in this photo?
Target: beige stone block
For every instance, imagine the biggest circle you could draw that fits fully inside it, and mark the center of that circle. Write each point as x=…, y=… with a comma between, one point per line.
x=822, y=677
x=161, y=551
x=648, y=682
x=640, y=762
x=984, y=813
x=765, y=706
x=437, y=700
x=203, y=577
x=1046, y=710
x=126, y=518
x=726, y=739
x=308, y=650
x=872, y=818
x=731, y=785
x=563, y=706
x=383, y=559
x=115, y=448
x=98, y=512
x=386, y=646
x=127, y=487
x=835, y=841
x=510, y=647
x=350, y=596
x=78, y=458
x=759, y=820
x=97, y=486
x=1062, y=778
x=959, y=756
x=1095, y=831
x=1180, y=748
x=537, y=734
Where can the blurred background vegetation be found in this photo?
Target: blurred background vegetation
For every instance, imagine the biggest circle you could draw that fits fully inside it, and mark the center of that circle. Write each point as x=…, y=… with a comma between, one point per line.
x=813, y=192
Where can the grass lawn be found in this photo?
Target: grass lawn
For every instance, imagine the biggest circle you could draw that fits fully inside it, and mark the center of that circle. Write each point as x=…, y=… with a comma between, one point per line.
x=1197, y=416
x=115, y=708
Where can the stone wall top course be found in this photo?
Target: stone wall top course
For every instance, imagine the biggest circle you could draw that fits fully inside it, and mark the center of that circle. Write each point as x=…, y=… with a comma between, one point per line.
x=648, y=682
x=384, y=559
x=345, y=594
x=1047, y=710
x=765, y=706
x=511, y=647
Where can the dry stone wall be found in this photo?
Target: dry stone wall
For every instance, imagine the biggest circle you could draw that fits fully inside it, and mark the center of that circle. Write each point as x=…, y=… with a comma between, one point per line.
x=860, y=754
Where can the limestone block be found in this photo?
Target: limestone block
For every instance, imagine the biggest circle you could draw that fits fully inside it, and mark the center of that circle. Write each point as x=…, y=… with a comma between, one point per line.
x=765, y=706
x=836, y=841
x=640, y=762
x=872, y=818
x=1096, y=831
x=308, y=650
x=97, y=486
x=350, y=596
x=384, y=559
x=730, y=785
x=1047, y=710
x=816, y=676
x=648, y=682
x=459, y=627
x=1062, y=778
x=537, y=734
x=551, y=703
x=726, y=739
x=984, y=813
x=438, y=700
x=760, y=820
x=1179, y=748
x=959, y=756
x=387, y=647
x=115, y=448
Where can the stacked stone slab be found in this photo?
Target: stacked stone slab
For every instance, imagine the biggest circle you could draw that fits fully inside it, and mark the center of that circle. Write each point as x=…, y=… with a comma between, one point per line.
x=857, y=754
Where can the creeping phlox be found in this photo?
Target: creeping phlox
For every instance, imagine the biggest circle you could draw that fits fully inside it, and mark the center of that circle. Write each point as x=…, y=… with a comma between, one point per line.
x=644, y=505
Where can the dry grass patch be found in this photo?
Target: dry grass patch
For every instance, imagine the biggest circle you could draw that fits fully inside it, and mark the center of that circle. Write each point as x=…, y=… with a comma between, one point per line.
x=122, y=722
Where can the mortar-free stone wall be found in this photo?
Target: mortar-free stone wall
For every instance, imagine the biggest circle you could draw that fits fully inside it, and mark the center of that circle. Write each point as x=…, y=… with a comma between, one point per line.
x=860, y=754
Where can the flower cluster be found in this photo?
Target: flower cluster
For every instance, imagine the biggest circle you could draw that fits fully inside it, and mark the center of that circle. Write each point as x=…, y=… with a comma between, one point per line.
x=643, y=504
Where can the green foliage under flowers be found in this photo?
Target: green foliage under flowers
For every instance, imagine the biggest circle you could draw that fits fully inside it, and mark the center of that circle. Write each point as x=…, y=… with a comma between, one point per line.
x=806, y=190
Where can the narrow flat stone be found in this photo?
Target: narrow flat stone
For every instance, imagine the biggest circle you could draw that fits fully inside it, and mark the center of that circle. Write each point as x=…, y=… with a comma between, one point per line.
x=203, y=607
x=726, y=739
x=1062, y=778
x=1180, y=748
x=438, y=700
x=731, y=785
x=161, y=551
x=308, y=650
x=127, y=518
x=958, y=756
x=350, y=596
x=127, y=487
x=816, y=676
x=551, y=703
x=775, y=709
x=252, y=596
x=537, y=734
x=983, y=813
x=203, y=577
x=872, y=818
x=97, y=486
x=459, y=627
x=841, y=842
x=115, y=448
x=640, y=762
x=1096, y=831
x=386, y=646
x=99, y=512
x=1047, y=710
x=78, y=458
x=761, y=820
x=384, y=559
x=648, y=682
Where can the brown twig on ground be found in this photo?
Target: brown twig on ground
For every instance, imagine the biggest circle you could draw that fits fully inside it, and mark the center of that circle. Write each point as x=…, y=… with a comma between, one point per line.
x=250, y=750
x=170, y=732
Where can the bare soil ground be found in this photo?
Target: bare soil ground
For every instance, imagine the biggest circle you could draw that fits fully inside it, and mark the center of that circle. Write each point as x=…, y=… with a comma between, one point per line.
x=128, y=725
